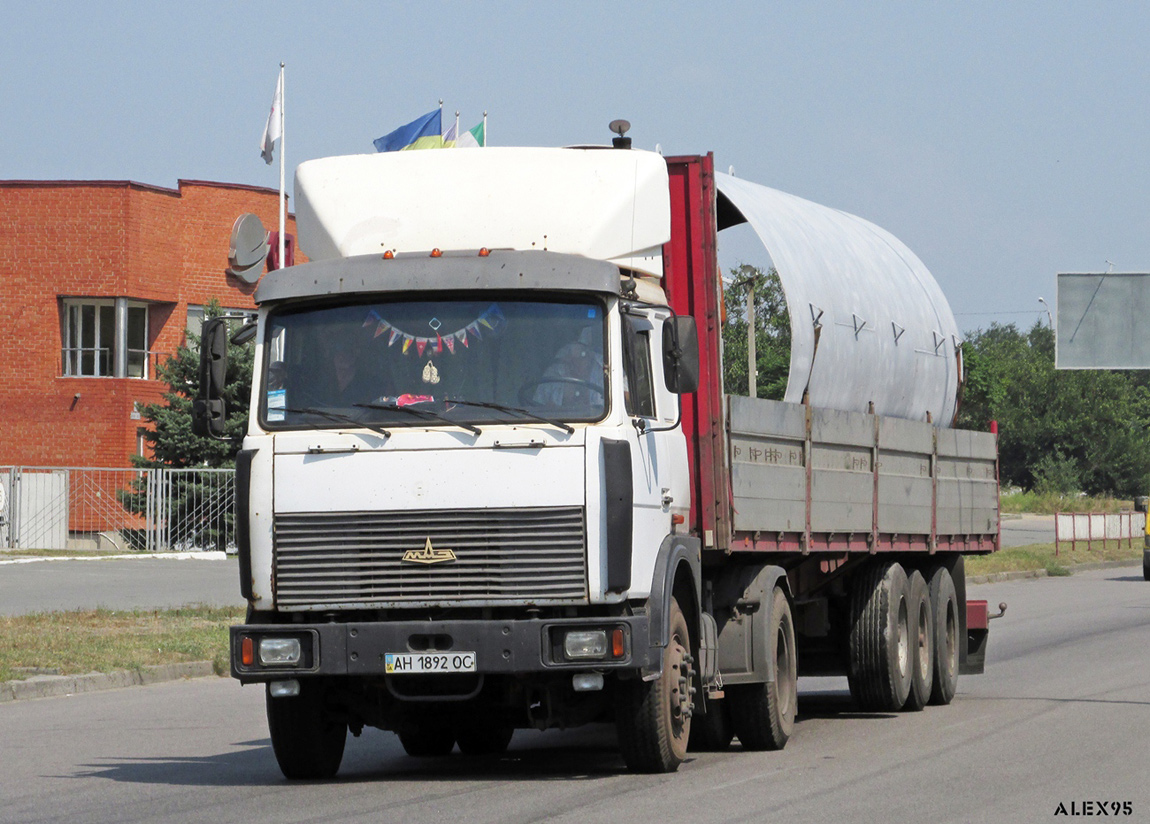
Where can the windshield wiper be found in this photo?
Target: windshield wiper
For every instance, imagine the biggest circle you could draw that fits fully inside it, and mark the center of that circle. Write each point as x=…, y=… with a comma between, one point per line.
x=420, y=413
x=513, y=410
x=336, y=416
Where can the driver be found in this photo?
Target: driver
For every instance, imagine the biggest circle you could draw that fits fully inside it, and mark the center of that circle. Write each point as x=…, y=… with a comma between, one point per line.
x=575, y=376
x=345, y=373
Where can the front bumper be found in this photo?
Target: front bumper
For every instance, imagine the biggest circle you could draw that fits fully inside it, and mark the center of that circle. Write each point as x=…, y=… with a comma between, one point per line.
x=510, y=647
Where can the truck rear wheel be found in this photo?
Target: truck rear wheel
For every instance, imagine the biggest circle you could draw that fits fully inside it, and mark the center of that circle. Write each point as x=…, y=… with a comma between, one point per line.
x=483, y=738
x=879, y=667
x=712, y=732
x=921, y=643
x=306, y=737
x=944, y=607
x=763, y=715
x=427, y=739
x=653, y=718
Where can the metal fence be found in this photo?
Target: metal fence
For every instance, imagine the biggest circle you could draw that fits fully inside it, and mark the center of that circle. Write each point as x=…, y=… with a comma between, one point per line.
x=1087, y=527
x=118, y=509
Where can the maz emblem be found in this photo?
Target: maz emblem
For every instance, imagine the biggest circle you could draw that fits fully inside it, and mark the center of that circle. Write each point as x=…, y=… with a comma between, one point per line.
x=428, y=555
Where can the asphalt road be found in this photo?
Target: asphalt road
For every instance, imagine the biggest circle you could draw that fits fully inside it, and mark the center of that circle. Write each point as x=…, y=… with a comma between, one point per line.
x=1026, y=529
x=145, y=583
x=1059, y=718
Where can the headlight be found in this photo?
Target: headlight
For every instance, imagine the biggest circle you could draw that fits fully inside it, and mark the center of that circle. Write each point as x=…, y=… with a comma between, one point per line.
x=280, y=652
x=584, y=644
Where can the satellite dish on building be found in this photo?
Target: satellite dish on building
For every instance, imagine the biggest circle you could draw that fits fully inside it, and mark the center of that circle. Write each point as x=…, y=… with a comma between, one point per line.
x=248, y=248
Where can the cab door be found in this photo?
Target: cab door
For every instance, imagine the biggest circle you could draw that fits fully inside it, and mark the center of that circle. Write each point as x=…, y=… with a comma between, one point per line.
x=658, y=451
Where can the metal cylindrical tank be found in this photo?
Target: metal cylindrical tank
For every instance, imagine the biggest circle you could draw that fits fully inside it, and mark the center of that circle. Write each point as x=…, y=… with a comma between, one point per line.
x=869, y=323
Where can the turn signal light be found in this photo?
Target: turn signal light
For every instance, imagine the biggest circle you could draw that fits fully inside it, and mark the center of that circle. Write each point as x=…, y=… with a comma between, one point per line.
x=677, y=519
x=436, y=253
x=247, y=651
x=484, y=252
x=617, y=648
x=388, y=255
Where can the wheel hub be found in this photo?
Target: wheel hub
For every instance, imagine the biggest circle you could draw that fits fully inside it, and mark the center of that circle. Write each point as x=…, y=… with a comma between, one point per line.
x=682, y=688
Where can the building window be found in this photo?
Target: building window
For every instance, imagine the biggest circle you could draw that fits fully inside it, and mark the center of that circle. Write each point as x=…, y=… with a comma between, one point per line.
x=196, y=315
x=137, y=341
x=93, y=339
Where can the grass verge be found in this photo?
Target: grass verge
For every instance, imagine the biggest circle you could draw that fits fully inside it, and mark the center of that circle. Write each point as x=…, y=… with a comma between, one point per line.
x=1042, y=556
x=103, y=640
x=1047, y=503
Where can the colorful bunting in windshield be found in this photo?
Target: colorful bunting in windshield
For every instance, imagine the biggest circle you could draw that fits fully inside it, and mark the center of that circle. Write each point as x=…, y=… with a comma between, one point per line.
x=492, y=319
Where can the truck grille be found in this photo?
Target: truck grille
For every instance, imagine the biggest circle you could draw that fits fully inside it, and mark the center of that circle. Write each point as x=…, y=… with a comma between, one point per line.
x=501, y=555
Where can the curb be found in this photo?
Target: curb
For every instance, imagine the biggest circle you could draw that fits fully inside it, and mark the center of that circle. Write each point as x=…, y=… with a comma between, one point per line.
x=995, y=577
x=207, y=555
x=49, y=686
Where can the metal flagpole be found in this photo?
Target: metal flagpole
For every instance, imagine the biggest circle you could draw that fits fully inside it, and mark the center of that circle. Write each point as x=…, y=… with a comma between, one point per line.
x=456, y=146
x=283, y=153
x=485, y=130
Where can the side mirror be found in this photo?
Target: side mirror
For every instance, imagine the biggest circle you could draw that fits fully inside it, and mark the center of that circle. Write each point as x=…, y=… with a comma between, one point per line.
x=681, y=354
x=245, y=333
x=208, y=412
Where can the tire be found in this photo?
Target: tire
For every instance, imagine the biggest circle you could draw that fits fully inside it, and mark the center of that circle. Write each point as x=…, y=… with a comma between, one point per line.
x=712, y=732
x=483, y=739
x=921, y=628
x=307, y=739
x=653, y=718
x=763, y=715
x=1145, y=566
x=944, y=608
x=427, y=740
x=879, y=666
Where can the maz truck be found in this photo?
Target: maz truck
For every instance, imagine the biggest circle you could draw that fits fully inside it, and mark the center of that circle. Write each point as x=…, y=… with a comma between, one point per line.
x=491, y=479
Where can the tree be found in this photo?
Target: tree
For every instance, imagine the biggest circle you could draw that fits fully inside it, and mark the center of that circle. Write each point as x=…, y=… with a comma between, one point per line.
x=772, y=333
x=1059, y=431
x=199, y=512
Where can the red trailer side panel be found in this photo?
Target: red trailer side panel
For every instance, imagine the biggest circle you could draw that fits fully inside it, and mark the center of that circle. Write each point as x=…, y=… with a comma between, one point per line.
x=691, y=280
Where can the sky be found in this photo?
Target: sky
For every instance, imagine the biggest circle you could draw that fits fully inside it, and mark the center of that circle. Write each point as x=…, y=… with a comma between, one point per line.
x=1003, y=142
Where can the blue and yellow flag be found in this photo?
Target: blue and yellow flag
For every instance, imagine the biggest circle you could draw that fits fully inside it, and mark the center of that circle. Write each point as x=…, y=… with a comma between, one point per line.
x=421, y=133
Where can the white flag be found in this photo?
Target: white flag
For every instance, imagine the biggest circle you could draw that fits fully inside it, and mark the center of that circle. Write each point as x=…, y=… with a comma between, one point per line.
x=472, y=138
x=274, y=130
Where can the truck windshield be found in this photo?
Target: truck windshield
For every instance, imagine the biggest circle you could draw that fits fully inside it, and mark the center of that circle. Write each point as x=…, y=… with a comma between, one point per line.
x=379, y=362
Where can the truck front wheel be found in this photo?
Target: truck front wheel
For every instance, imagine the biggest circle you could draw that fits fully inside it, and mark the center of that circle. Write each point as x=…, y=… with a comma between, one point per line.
x=307, y=738
x=763, y=715
x=653, y=718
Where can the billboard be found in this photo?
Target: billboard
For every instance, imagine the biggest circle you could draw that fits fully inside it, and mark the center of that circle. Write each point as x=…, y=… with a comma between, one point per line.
x=1103, y=321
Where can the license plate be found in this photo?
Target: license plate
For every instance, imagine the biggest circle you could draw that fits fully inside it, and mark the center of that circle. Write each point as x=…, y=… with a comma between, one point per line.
x=428, y=662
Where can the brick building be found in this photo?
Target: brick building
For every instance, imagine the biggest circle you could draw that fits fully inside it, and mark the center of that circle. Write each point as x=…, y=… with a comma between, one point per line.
x=99, y=281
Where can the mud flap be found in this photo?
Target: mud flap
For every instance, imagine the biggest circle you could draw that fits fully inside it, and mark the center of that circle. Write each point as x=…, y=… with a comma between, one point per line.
x=977, y=634
x=742, y=599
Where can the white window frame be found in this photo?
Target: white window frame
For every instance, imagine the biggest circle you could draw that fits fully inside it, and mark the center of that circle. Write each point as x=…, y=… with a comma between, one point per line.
x=103, y=349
